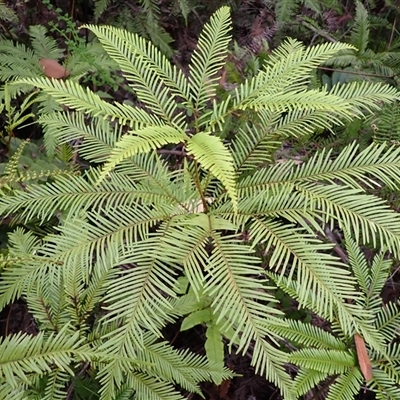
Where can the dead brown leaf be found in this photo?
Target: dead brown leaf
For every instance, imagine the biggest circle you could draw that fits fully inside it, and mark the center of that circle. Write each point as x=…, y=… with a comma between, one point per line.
x=52, y=69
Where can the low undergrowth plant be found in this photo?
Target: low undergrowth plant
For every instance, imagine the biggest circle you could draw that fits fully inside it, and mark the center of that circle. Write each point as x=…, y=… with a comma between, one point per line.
x=81, y=61
x=141, y=242
x=370, y=59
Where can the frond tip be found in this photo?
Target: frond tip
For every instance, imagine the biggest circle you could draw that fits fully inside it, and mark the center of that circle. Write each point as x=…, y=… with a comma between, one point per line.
x=212, y=154
x=209, y=57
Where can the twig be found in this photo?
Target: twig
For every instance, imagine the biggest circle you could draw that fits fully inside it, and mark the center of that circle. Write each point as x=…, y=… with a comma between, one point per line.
x=337, y=249
x=319, y=32
x=392, y=34
x=4, y=26
x=173, y=152
x=8, y=320
x=356, y=72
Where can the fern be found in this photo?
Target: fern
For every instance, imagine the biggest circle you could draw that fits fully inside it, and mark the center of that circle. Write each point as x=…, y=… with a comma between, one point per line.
x=7, y=14
x=285, y=9
x=226, y=217
x=367, y=61
x=360, y=32
x=320, y=354
x=148, y=19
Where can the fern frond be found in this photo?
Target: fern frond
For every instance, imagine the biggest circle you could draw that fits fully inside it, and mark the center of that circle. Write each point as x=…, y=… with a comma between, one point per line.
x=117, y=375
x=351, y=317
x=347, y=385
x=296, y=123
x=387, y=123
x=22, y=354
x=209, y=58
x=285, y=9
x=8, y=391
x=98, y=137
x=99, y=7
x=388, y=320
x=254, y=145
x=365, y=96
x=287, y=71
x=343, y=59
x=99, y=280
x=146, y=23
x=155, y=81
x=328, y=361
x=358, y=263
x=24, y=267
x=18, y=61
x=137, y=298
x=148, y=388
x=318, y=274
x=308, y=335
x=65, y=194
x=75, y=194
x=349, y=167
x=71, y=94
x=49, y=303
x=185, y=7
x=211, y=153
x=11, y=168
x=80, y=240
x=189, y=251
x=236, y=297
x=310, y=100
x=19, y=277
x=160, y=37
x=23, y=243
x=384, y=386
x=157, y=34
x=7, y=13
x=305, y=380
x=360, y=33
x=363, y=214
x=142, y=141
x=380, y=270
x=123, y=234
x=292, y=59
x=191, y=369
x=56, y=385
x=42, y=45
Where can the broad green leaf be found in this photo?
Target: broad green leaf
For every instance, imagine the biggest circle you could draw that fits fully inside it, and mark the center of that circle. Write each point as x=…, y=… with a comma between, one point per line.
x=196, y=318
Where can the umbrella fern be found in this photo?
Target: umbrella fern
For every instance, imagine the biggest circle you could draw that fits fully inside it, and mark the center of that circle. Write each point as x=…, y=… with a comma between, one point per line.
x=227, y=218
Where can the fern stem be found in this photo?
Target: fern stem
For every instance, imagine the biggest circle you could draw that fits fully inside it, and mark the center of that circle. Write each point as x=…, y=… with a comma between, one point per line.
x=9, y=34
x=319, y=32
x=392, y=34
x=8, y=320
x=198, y=185
x=181, y=153
x=356, y=72
x=336, y=247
